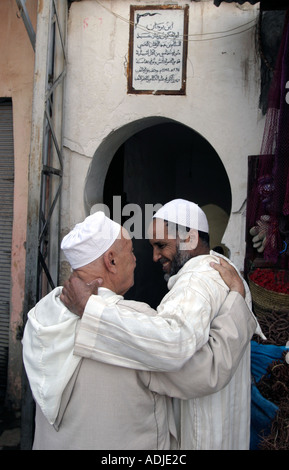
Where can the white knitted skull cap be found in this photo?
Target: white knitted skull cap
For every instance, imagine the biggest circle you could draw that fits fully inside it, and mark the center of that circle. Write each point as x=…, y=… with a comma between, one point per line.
x=185, y=213
x=90, y=239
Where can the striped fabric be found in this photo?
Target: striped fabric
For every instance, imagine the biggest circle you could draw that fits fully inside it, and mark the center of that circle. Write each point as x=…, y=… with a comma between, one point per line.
x=220, y=421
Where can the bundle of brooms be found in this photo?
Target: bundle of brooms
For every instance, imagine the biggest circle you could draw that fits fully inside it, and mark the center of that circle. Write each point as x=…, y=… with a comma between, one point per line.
x=274, y=385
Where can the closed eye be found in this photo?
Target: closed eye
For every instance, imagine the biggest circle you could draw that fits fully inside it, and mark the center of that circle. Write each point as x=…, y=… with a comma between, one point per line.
x=160, y=245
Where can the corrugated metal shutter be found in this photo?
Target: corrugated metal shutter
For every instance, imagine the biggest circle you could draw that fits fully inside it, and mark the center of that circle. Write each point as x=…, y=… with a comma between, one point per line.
x=6, y=221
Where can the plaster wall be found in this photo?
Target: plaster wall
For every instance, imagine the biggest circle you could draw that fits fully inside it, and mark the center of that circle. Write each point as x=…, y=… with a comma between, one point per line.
x=16, y=82
x=221, y=101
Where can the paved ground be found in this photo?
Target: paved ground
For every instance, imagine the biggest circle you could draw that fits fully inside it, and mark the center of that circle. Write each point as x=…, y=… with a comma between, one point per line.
x=9, y=429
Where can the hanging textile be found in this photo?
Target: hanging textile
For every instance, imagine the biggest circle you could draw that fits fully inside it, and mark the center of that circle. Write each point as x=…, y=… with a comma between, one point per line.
x=271, y=189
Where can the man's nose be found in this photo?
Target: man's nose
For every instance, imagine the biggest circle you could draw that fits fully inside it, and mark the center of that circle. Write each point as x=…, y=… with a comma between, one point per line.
x=156, y=255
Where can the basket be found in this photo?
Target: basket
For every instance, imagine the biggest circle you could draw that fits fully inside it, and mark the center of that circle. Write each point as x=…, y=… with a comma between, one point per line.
x=265, y=300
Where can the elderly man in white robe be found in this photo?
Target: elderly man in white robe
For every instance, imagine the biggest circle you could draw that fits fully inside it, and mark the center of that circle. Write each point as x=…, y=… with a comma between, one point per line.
x=86, y=404
x=179, y=236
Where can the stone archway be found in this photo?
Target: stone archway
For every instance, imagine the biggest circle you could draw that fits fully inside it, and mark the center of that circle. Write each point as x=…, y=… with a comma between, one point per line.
x=152, y=161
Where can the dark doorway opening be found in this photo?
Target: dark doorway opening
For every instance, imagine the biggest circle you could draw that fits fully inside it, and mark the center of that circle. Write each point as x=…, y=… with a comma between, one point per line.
x=157, y=164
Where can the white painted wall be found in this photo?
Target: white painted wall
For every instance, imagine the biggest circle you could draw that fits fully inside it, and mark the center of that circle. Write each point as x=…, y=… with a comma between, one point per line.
x=221, y=101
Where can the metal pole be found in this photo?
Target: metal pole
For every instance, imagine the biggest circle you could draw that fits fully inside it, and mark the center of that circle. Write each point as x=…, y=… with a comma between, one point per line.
x=26, y=20
x=60, y=9
x=45, y=173
x=34, y=184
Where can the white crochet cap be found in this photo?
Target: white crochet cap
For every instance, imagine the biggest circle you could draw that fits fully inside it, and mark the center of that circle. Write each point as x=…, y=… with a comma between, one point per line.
x=185, y=213
x=90, y=239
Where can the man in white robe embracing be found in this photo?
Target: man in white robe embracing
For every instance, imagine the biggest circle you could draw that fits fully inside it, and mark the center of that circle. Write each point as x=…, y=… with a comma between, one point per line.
x=180, y=241
x=86, y=404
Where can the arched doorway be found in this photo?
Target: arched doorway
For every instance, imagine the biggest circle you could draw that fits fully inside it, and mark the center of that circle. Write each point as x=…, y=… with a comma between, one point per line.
x=159, y=162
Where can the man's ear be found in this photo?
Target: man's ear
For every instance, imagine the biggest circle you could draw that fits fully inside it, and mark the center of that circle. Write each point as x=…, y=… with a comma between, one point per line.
x=194, y=238
x=109, y=261
x=191, y=242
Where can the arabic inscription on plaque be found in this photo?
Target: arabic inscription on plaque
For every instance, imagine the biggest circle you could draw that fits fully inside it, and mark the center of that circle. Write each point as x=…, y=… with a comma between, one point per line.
x=158, y=50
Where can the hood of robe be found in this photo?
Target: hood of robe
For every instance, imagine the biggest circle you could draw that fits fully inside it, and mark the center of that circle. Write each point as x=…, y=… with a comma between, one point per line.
x=48, y=344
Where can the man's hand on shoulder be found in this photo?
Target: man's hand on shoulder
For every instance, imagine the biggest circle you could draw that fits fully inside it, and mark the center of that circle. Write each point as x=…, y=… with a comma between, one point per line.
x=230, y=276
x=76, y=292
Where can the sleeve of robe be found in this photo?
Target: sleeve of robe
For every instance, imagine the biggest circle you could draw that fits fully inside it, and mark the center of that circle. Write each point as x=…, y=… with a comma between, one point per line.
x=155, y=342
x=211, y=368
x=126, y=347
